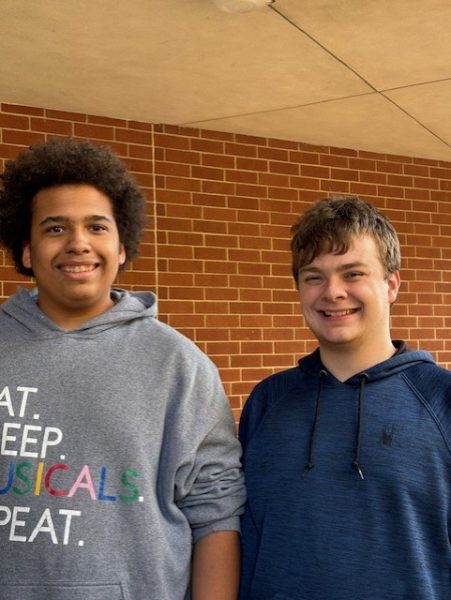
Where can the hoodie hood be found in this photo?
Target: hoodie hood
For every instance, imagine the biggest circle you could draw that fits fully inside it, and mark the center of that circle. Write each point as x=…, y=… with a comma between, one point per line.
x=28, y=319
x=313, y=366
x=401, y=360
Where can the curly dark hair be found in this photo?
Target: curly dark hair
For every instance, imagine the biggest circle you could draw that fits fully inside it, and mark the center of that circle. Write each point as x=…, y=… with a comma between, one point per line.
x=66, y=161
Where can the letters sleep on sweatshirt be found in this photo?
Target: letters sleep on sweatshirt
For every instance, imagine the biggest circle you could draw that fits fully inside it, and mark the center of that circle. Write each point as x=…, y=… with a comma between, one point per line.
x=117, y=452
x=349, y=483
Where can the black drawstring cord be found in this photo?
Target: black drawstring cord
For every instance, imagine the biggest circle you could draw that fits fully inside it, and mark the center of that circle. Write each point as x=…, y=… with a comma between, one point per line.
x=310, y=464
x=355, y=464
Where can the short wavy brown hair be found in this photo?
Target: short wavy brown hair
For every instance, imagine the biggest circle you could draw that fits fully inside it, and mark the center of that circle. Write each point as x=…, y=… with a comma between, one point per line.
x=330, y=225
x=67, y=161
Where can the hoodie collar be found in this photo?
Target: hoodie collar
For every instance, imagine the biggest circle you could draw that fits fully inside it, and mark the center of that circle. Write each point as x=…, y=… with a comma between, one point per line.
x=312, y=364
x=23, y=309
x=402, y=359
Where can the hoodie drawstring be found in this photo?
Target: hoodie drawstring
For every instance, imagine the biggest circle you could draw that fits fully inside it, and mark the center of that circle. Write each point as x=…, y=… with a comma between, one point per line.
x=355, y=464
x=310, y=464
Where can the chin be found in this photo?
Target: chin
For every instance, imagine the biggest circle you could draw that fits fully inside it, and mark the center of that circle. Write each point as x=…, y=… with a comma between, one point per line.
x=337, y=341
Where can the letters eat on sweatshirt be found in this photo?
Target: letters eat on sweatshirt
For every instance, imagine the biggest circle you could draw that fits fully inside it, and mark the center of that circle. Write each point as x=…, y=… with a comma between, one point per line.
x=349, y=484
x=117, y=451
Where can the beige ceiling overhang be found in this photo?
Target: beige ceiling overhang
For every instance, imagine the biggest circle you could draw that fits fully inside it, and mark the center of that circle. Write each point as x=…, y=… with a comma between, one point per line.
x=366, y=74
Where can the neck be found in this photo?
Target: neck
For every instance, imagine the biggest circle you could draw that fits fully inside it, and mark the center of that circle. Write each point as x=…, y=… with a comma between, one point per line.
x=344, y=362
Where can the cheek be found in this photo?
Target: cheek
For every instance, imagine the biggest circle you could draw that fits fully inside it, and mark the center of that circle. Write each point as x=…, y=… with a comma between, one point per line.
x=308, y=297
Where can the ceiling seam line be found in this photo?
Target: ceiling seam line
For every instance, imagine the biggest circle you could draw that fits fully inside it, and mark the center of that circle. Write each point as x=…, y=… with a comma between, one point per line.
x=272, y=7
x=315, y=41
x=274, y=110
x=411, y=85
x=416, y=120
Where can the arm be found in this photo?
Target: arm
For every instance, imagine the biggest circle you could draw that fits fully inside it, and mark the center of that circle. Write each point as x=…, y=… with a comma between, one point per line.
x=208, y=482
x=215, y=571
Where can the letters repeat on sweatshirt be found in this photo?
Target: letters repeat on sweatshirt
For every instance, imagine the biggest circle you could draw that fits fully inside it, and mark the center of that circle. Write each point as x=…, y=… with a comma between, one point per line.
x=24, y=444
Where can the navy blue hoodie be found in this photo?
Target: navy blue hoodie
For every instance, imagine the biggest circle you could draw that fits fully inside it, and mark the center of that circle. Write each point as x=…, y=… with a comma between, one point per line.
x=349, y=483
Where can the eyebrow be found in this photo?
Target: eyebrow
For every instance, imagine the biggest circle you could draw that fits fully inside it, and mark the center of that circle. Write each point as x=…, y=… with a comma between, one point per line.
x=347, y=266
x=65, y=220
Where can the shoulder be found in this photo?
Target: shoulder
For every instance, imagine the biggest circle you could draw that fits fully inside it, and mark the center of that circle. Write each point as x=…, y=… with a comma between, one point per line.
x=430, y=379
x=168, y=341
x=432, y=386
x=174, y=360
x=175, y=342
x=421, y=372
x=263, y=398
x=276, y=384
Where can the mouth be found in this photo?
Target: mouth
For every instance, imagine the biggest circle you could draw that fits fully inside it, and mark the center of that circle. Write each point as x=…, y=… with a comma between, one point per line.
x=338, y=313
x=82, y=268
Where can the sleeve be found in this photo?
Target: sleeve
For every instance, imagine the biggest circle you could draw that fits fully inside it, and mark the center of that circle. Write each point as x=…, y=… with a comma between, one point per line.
x=252, y=415
x=209, y=484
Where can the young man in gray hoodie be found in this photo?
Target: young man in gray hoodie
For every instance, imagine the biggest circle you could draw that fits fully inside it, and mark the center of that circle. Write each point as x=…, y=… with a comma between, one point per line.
x=119, y=468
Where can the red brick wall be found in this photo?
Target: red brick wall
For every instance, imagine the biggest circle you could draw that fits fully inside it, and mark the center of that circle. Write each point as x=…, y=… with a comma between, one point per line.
x=220, y=210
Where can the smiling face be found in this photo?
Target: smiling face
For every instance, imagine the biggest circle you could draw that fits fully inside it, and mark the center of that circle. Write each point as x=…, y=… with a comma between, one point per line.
x=74, y=251
x=346, y=299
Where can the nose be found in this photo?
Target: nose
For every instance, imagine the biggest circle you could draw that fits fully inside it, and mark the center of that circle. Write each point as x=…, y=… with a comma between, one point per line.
x=78, y=241
x=335, y=289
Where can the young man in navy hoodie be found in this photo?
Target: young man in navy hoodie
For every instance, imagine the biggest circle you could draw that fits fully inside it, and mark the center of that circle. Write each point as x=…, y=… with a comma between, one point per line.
x=347, y=456
x=119, y=468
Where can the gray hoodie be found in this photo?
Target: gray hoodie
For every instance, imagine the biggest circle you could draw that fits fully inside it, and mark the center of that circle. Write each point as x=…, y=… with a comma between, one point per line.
x=117, y=452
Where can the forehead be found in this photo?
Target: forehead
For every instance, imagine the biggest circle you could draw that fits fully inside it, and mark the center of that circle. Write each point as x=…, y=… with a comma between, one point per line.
x=71, y=202
x=362, y=249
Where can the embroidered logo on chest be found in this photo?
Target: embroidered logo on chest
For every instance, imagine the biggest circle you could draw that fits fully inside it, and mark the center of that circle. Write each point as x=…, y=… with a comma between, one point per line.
x=387, y=435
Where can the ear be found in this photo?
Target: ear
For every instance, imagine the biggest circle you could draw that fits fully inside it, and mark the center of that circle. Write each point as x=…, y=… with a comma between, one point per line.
x=26, y=256
x=394, y=281
x=122, y=254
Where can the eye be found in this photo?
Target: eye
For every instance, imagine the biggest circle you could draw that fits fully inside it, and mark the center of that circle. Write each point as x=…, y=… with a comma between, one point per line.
x=96, y=228
x=354, y=275
x=54, y=229
x=312, y=279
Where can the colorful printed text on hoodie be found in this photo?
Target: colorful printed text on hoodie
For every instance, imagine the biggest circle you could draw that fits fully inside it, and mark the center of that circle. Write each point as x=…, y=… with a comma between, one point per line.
x=355, y=502
x=117, y=451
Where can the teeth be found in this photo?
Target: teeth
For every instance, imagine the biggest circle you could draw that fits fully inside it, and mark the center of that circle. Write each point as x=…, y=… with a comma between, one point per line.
x=77, y=268
x=338, y=313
